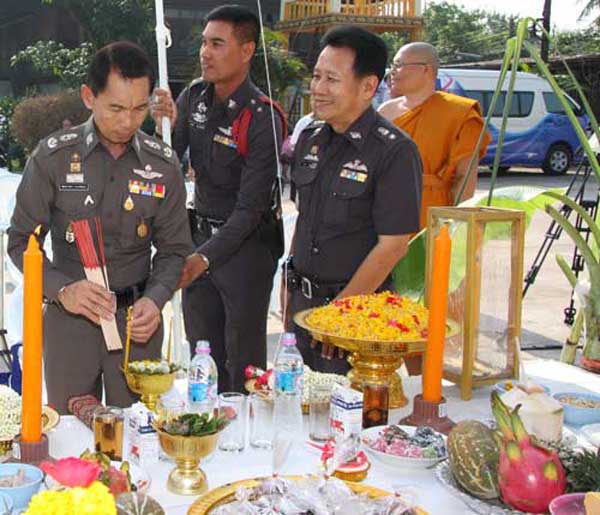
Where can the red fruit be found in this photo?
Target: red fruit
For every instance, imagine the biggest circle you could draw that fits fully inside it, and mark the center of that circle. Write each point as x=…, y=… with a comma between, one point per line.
x=529, y=476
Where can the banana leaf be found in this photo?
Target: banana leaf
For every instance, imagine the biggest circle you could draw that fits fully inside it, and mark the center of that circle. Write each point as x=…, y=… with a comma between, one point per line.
x=409, y=273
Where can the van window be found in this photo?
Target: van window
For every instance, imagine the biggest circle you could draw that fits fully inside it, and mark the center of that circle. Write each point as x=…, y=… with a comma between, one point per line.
x=522, y=102
x=554, y=106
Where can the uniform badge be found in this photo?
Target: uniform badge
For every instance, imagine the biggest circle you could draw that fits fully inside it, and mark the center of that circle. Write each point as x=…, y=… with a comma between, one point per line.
x=89, y=139
x=168, y=152
x=142, y=229
x=147, y=189
x=231, y=104
x=224, y=140
x=226, y=131
x=75, y=166
x=353, y=176
x=68, y=137
x=128, y=205
x=147, y=173
x=355, y=135
x=383, y=131
x=52, y=142
x=69, y=234
x=89, y=201
x=314, y=150
x=152, y=144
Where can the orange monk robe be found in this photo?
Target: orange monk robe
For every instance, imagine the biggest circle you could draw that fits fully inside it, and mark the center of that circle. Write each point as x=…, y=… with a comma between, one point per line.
x=445, y=128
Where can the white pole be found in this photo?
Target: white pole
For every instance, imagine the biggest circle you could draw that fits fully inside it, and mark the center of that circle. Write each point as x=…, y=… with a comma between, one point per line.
x=163, y=41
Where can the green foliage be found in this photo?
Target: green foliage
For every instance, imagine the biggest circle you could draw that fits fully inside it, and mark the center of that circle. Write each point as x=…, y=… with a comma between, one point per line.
x=68, y=65
x=14, y=153
x=471, y=34
x=104, y=21
x=285, y=69
x=194, y=424
x=393, y=41
x=575, y=42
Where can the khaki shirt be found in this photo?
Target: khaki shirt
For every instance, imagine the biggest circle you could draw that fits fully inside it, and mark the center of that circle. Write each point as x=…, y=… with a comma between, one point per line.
x=352, y=187
x=139, y=198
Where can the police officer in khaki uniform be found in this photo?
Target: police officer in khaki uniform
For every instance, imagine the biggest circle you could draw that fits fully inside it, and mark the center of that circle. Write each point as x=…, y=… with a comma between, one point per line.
x=105, y=168
x=359, y=187
x=226, y=122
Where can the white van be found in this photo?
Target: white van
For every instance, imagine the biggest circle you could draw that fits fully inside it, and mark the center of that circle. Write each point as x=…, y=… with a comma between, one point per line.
x=539, y=134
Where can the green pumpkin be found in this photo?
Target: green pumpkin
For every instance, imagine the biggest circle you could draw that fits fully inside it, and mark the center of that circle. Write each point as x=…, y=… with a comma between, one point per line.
x=474, y=455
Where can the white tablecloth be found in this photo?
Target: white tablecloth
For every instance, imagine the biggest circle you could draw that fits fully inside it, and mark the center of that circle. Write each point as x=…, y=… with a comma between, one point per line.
x=71, y=437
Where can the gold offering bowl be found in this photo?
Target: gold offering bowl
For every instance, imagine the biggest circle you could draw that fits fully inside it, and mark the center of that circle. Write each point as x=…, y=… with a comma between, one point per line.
x=149, y=386
x=372, y=360
x=186, y=478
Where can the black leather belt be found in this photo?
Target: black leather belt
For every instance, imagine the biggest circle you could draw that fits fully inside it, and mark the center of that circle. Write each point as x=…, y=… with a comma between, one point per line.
x=312, y=289
x=127, y=296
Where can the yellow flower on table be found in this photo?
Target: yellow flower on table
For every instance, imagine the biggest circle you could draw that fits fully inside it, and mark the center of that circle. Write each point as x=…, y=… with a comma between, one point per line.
x=94, y=500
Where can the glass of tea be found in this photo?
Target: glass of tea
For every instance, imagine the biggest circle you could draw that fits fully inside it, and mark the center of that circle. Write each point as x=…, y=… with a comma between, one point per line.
x=376, y=403
x=108, y=431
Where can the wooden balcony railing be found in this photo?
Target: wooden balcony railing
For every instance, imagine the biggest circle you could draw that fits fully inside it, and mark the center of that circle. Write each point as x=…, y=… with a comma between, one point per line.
x=301, y=9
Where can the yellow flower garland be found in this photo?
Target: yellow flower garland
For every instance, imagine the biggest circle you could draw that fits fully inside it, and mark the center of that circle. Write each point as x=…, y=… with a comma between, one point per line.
x=94, y=500
x=381, y=316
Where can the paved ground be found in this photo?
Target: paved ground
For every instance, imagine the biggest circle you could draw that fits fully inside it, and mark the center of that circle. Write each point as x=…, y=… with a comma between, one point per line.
x=543, y=317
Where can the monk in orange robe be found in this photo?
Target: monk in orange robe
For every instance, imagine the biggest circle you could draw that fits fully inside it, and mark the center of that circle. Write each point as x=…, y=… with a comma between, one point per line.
x=445, y=127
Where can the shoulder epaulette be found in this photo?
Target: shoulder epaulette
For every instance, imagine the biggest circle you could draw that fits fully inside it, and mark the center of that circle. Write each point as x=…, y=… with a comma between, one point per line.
x=156, y=147
x=62, y=139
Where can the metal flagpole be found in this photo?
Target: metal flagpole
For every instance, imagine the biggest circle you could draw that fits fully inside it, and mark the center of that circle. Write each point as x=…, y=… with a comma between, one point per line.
x=163, y=41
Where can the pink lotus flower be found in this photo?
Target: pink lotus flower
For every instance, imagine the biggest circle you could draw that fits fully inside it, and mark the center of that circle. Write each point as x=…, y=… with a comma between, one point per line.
x=72, y=472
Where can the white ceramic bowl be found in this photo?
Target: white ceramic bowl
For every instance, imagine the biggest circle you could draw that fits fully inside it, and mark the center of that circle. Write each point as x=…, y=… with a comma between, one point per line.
x=398, y=462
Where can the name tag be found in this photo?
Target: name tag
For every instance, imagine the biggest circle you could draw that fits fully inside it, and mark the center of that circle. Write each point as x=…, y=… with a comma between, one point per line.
x=74, y=187
x=353, y=176
x=75, y=178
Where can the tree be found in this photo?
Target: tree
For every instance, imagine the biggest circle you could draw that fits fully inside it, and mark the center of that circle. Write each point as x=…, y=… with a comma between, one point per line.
x=590, y=7
x=68, y=65
x=393, y=41
x=461, y=34
x=285, y=69
x=104, y=21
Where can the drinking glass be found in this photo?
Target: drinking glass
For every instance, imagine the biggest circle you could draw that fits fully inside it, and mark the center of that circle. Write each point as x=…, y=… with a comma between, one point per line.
x=320, y=397
x=233, y=437
x=108, y=431
x=261, y=421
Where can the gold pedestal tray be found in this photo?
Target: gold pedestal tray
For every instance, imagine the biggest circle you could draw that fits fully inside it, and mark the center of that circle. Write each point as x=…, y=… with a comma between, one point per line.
x=374, y=361
x=186, y=478
x=225, y=494
x=149, y=386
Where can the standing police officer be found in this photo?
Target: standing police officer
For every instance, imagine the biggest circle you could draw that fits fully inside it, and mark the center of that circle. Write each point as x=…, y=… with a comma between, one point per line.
x=232, y=136
x=105, y=168
x=359, y=185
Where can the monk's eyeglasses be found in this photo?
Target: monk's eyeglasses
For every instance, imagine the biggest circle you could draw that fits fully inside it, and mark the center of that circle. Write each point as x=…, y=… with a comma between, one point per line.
x=397, y=66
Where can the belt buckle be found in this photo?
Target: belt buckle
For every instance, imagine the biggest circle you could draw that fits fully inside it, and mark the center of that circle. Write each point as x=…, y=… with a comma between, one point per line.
x=307, y=289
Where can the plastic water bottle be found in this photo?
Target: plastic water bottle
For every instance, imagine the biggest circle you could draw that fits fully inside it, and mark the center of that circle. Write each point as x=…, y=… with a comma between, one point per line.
x=289, y=379
x=202, y=380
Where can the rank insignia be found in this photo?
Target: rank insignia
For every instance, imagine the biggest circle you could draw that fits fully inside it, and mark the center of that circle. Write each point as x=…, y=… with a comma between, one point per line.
x=75, y=166
x=128, y=205
x=69, y=234
x=314, y=150
x=353, y=176
x=147, y=173
x=142, y=229
x=89, y=201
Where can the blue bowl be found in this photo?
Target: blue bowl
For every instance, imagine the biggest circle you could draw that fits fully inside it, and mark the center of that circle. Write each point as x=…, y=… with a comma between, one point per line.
x=21, y=495
x=576, y=416
x=6, y=504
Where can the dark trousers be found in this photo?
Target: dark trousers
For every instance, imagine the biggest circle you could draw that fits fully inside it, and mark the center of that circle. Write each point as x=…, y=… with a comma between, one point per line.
x=312, y=357
x=76, y=361
x=229, y=308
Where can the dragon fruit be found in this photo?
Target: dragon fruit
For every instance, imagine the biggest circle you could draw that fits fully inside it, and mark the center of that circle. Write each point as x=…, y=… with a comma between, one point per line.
x=529, y=475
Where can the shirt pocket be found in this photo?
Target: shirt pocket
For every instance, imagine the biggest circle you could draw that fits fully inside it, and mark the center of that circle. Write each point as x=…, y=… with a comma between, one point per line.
x=137, y=222
x=303, y=177
x=226, y=165
x=348, y=204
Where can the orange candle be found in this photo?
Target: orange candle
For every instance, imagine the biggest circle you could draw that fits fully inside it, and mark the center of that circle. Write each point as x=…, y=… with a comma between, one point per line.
x=438, y=307
x=31, y=414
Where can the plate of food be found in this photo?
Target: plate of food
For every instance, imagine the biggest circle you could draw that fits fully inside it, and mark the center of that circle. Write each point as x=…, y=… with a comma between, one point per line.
x=405, y=446
x=119, y=476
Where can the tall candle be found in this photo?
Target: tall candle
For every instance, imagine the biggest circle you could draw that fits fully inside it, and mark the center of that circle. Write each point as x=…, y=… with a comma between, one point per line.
x=31, y=414
x=438, y=307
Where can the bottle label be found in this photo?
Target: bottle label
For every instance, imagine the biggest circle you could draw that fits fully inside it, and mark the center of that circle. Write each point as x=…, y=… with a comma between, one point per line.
x=289, y=381
x=198, y=392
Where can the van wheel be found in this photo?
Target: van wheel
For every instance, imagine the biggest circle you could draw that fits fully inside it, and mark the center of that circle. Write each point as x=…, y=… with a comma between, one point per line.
x=558, y=160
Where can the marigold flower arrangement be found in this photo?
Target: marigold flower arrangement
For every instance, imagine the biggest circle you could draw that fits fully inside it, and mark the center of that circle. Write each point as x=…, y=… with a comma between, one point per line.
x=378, y=317
x=93, y=500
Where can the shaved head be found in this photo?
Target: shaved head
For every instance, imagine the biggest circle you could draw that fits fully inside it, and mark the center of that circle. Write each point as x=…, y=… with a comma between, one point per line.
x=423, y=52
